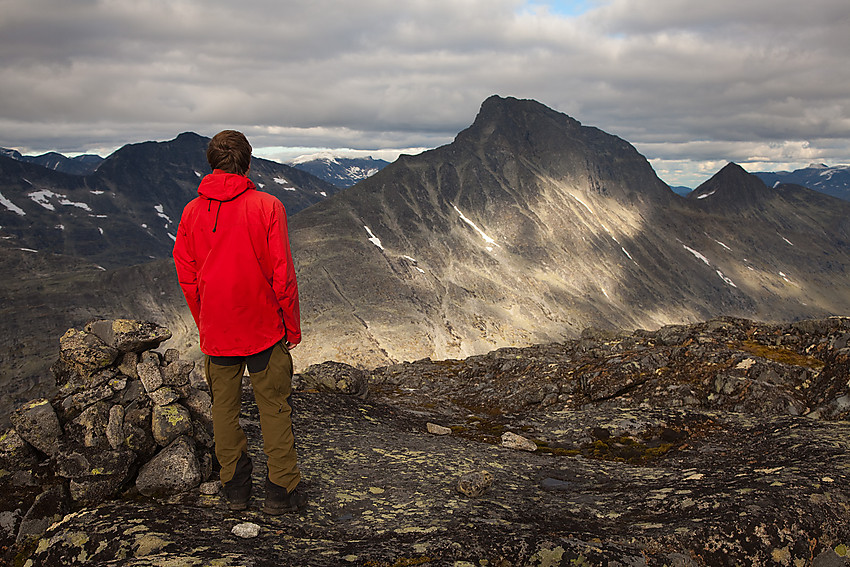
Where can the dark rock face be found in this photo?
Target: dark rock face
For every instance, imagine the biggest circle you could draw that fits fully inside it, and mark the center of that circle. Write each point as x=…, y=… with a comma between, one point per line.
x=714, y=444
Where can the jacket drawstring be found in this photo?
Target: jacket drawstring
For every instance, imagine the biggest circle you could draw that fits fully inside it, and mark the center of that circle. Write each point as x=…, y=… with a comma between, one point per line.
x=209, y=207
x=215, y=225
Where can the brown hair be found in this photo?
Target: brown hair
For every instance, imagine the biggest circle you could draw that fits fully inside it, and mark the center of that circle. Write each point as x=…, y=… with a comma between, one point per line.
x=229, y=151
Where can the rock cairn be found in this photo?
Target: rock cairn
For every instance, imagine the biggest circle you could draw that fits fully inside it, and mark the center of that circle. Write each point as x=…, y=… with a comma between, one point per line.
x=124, y=415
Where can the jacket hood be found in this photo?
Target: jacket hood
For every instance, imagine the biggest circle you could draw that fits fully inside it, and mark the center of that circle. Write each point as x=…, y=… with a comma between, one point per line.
x=221, y=186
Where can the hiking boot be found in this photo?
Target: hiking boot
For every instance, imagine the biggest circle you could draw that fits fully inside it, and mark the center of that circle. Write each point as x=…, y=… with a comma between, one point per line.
x=278, y=500
x=237, y=491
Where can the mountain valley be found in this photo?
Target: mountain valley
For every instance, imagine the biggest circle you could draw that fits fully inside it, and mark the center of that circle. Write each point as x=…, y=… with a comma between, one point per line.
x=527, y=229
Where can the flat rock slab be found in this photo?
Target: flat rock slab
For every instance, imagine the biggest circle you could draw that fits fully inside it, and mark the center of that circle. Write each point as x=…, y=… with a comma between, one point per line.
x=736, y=489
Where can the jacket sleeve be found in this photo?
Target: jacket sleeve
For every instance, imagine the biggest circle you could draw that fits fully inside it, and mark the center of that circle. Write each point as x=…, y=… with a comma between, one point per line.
x=283, y=276
x=187, y=272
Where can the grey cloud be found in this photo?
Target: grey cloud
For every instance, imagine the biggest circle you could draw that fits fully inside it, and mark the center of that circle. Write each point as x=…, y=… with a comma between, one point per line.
x=325, y=73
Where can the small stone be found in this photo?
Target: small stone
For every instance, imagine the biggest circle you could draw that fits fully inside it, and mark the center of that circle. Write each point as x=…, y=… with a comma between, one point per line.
x=210, y=488
x=514, y=441
x=150, y=357
x=150, y=375
x=177, y=373
x=246, y=530
x=115, y=427
x=118, y=384
x=171, y=355
x=86, y=398
x=164, y=396
x=435, y=429
x=37, y=424
x=138, y=439
x=199, y=404
x=9, y=522
x=128, y=363
x=474, y=484
x=133, y=392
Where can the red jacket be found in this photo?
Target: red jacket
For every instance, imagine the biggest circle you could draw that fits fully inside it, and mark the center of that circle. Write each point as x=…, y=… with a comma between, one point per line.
x=235, y=267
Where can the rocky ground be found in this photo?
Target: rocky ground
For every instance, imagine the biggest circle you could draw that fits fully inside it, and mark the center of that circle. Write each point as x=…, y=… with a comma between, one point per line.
x=722, y=443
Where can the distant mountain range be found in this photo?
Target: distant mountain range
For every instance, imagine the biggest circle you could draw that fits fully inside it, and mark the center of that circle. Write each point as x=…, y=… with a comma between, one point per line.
x=126, y=209
x=528, y=228
x=832, y=180
x=342, y=172
x=80, y=165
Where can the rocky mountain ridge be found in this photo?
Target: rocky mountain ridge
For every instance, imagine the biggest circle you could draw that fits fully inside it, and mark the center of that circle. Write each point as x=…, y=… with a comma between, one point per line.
x=79, y=165
x=718, y=443
x=126, y=211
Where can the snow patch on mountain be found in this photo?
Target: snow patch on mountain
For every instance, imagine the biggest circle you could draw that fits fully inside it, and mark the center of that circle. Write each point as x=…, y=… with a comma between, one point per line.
x=372, y=238
x=11, y=206
x=697, y=255
x=483, y=234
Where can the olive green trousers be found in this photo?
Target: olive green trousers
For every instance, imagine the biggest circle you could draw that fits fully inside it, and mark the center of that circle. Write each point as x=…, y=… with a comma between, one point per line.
x=271, y=378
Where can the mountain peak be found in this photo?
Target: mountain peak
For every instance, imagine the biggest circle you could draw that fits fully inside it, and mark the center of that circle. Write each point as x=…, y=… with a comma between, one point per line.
x=732, y=186
x=508, y=131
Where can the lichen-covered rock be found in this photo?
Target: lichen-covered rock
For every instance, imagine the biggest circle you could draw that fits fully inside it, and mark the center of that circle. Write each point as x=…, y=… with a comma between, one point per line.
x=37, y=423
x=474, y=484
x=129, y=335
x=169, y=422
x=15, y=453
x=106, y=473
x=164, y=396
x=75, y=404
x=139, y=440
x=173, y=470
x=85, y=352
x=334, y=377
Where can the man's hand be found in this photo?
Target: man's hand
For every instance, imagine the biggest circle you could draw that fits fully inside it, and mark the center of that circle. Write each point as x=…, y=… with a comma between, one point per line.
x=289, y=345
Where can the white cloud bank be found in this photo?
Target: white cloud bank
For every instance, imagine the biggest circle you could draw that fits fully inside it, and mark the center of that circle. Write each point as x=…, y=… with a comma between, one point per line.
x=693, y=85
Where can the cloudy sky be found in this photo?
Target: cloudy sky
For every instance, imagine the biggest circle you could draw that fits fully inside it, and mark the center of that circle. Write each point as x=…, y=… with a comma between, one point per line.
x=692, y=84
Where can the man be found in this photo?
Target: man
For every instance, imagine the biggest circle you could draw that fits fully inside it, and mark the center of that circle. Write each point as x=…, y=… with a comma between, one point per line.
x=235, y=267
